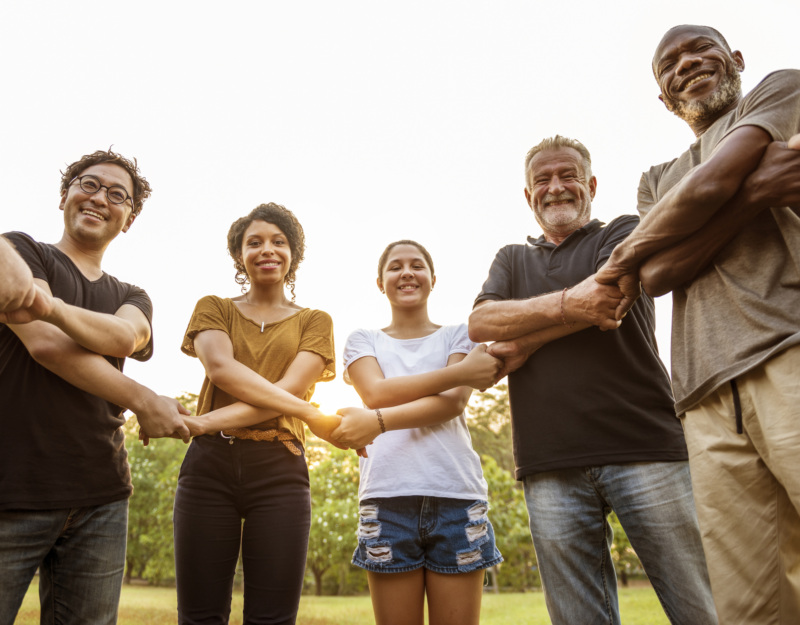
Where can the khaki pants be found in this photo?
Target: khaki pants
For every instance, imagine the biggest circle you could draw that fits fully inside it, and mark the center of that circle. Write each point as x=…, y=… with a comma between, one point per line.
x=747, y=491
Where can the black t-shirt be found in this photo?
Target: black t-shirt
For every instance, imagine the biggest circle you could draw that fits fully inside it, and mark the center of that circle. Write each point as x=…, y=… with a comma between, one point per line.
x=591, y=398
x=60, y=446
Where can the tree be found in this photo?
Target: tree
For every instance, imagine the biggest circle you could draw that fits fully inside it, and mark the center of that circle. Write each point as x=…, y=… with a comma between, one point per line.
x=489, y=421
x=154, y=473
x=334, y=499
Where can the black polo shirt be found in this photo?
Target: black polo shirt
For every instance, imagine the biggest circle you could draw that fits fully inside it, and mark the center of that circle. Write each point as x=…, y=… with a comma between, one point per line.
x=590, y=398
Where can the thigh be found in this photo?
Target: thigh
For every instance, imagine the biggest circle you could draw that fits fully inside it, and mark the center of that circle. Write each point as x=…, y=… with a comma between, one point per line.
x=81, y=578
x=277, y=511
x=457, y=535
x=398, y=598
x=750, y=529
x=572, y=538
x=655, y=506
x=207, y=531
x=454, y=599
x=389, y=537
x=770, y=396
x=26, y=537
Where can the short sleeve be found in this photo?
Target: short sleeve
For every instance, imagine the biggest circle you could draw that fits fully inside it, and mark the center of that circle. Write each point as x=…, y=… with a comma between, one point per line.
x=359, y=344
x=139, y=298
x=498, y=284
x=460, y=342
x=614, y=234
x=773, y=105
x=209, y=314
x=317, y=338
x=30, y=251
x=645, y=197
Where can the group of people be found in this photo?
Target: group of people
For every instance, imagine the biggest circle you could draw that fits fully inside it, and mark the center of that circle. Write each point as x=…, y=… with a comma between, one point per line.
x=709, y=500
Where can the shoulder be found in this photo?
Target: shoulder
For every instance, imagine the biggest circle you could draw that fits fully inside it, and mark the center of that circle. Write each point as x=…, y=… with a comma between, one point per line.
x=623, y=223
x=27, y=246
x=457, y=337
x=213, y=302
x=362, y=335
x=313, y=314
x=787, y=78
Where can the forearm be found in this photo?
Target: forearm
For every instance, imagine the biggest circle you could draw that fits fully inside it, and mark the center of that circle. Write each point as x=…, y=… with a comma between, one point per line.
x=249, y=387
x=701, y=193
x=426, y=411
x=101, y=333
x=85, y=370
x=510, y=319
x=383, y=393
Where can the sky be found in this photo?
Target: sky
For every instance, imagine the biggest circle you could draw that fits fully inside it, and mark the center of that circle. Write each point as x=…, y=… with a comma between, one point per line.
x=372, y=121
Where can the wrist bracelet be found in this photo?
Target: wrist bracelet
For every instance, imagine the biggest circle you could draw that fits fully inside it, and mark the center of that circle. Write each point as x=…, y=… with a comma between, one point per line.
x=380, y=421
x=563, y=316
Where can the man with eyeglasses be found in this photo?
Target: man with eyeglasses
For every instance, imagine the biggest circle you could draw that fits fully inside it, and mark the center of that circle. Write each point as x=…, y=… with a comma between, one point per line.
x=64, y=476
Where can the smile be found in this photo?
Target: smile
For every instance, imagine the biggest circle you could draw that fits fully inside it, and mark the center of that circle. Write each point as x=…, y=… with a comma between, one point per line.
x=696, y=79
x=91, y=213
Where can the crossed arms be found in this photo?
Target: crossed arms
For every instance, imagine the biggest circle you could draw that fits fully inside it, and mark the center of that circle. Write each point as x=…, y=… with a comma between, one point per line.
x=412, y=401
x=694, y=221
x=70, y=342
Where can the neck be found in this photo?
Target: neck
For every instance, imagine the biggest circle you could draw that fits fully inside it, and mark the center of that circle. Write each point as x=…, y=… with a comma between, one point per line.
x=557, y=237
x=87, y=259
x=410, y=323
x=269, y=296
x=701, y=125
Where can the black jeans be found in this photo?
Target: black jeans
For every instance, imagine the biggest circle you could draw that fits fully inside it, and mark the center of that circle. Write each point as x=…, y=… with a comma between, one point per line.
x=220, y=485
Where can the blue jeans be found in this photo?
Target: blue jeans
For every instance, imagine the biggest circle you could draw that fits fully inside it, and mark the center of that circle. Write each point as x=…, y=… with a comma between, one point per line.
x=80, y=554
x=569, y=511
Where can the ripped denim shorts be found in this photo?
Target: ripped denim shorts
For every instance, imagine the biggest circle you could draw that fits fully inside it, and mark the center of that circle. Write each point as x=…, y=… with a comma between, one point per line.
x=399, y=534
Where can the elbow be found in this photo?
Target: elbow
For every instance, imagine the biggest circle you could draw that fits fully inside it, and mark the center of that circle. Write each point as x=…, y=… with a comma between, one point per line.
x=121, y=349
x=477, y=327
x=654, y=279
x=45, y=353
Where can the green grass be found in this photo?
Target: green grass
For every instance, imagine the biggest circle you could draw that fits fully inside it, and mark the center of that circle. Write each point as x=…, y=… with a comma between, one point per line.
x=145, y=605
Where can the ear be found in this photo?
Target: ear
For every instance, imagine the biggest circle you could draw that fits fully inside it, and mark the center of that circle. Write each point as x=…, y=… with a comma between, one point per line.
x=433, y=282
x=528, y=197
x=738, y=60
x=592, y=187
x=129, y=223
x=379, y=282
x=63, y=200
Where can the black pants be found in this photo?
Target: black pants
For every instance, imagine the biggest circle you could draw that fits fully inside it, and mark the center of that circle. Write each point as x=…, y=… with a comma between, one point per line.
x=220, y=485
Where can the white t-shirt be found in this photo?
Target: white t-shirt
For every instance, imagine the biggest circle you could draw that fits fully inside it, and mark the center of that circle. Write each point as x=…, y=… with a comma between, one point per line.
x=432, y=461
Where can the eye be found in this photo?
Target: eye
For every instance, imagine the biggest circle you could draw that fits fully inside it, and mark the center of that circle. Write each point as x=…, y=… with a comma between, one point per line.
x=117, y=194
x=253, y=243
x=90, y=185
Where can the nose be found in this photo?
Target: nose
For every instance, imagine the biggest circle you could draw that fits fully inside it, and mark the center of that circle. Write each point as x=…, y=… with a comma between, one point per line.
x=100, y=196
x=687, y=61
x=556, y=186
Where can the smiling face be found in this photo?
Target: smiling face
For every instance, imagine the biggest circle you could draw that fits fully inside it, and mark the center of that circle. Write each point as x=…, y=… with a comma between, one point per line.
x=90, y=219
x=698, y=75
x=265, y=253
x=559, y=192
x=406, y=276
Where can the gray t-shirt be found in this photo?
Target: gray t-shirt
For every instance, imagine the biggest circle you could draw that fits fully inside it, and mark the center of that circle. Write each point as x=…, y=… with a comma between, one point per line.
x=745, y=307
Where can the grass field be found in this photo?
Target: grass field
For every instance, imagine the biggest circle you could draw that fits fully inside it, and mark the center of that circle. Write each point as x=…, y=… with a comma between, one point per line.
x=145, y=605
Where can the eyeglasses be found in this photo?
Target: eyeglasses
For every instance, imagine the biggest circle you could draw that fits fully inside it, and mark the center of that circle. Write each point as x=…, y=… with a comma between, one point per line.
x=116, y=194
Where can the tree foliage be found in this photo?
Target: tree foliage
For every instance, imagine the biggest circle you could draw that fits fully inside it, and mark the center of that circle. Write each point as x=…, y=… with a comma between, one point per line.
x=154, y=473
x=334, y=503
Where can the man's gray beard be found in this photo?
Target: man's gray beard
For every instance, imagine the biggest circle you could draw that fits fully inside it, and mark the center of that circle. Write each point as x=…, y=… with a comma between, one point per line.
x=702, y=110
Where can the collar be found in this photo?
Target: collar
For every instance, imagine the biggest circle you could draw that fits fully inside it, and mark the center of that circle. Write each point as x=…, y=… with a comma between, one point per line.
x=591, y=226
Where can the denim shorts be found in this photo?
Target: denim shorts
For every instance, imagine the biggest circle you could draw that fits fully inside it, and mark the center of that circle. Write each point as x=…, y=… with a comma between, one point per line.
x=399, y=534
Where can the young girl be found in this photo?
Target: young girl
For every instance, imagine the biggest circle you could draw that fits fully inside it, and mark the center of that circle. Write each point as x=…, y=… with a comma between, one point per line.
x=423, y=527
x=244, y=479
